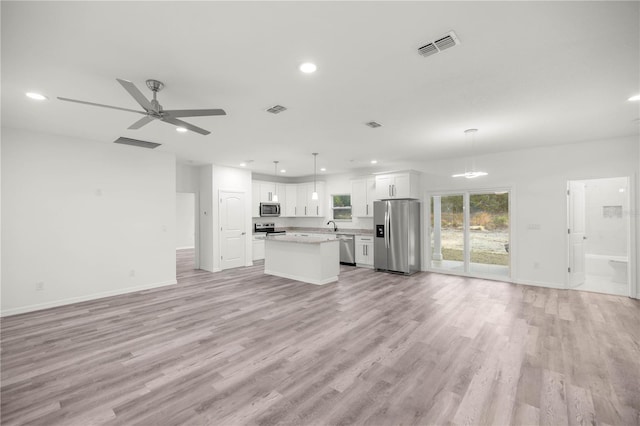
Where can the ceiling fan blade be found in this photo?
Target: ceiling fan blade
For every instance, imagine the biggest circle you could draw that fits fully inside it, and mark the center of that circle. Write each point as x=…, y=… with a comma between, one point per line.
x=144, y=120
x=193, y=112
x=186, y=125
x=100, y=105
x=137, y=94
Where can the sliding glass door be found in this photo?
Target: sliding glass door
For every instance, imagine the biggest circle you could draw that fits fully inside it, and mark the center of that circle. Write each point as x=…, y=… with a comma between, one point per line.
x=447, y=236
x=470, y=233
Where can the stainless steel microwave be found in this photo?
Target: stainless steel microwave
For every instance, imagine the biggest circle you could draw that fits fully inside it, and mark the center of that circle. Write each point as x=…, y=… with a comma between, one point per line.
x=269, y=209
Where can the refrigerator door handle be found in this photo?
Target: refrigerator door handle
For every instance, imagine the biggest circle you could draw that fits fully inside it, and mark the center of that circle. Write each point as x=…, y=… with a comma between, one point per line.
x=388, y=224
x=386, y=229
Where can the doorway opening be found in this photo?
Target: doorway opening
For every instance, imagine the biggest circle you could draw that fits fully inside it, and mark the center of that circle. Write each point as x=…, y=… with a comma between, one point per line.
x=186, y=235
x=470, y=233
x=599, y=230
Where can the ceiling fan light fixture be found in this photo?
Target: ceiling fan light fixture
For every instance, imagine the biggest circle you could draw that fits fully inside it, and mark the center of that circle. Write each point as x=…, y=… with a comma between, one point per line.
x=181, y=130
x=634, y=98
x=36, y=96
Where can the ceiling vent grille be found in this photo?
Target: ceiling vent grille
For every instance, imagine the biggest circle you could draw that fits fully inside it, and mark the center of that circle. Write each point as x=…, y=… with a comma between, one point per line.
x=136, y=142
x=373, y=124
x=276, y=109
x=445, y=42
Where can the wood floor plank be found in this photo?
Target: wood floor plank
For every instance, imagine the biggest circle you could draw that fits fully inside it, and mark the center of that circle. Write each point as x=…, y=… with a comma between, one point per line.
x=240, y=347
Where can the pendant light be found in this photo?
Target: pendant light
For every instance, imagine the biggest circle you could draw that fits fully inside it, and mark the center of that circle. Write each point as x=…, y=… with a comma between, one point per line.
x=471, y=134
x=275, y=173
x=314, y=194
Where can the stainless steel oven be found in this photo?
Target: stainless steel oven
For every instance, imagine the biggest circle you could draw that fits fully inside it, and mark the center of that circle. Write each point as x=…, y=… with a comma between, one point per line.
x=269, y=209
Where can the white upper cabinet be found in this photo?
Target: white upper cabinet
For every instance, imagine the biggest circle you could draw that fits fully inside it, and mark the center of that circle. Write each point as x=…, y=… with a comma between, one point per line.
x=397, y=185
x=267, y=189
x=289, y=208
x=362, y=196
x=294, y=199
x=305, y=205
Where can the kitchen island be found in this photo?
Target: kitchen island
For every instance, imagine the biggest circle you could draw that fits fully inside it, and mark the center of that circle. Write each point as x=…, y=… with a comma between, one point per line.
x=313, y=260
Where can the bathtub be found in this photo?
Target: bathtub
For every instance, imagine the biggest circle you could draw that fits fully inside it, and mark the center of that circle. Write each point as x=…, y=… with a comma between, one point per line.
x=600, y=265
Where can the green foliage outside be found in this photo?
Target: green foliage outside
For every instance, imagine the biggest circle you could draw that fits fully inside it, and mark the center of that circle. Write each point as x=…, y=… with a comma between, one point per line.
x=342, y=207
x=490, y=211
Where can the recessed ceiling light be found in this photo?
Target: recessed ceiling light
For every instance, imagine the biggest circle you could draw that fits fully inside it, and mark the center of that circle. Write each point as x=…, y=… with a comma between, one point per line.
x=308, y=68
x=243, y=164
x=283, y=171
x=374, y=161
x=634, y=98
x=323, y=169
x=621, y=190
x=181, y=129
x=36, y=96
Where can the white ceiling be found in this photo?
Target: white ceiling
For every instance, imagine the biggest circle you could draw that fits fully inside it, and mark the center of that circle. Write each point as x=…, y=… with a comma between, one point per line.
x=525, y=74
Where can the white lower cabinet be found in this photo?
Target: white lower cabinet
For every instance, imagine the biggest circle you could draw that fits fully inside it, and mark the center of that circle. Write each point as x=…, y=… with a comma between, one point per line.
x=258, y=248
x=364, y=251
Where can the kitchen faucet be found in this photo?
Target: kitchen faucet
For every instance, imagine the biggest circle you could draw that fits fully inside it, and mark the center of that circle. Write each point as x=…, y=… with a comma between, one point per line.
x=335, y=227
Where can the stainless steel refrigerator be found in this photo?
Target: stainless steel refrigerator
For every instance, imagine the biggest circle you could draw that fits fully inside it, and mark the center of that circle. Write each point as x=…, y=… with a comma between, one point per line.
x=397, y=236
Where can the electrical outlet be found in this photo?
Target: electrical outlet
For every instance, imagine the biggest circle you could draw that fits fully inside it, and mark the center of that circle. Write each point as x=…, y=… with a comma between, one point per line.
x=536, y=265
x=132, y=273
x=39, y=286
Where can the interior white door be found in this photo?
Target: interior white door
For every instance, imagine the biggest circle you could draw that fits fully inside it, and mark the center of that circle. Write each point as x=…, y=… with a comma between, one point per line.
x=577, y=232
x=233, y=235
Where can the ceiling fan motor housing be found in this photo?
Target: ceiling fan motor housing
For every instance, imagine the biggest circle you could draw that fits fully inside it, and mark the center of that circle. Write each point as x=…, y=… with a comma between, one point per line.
x=155, y=85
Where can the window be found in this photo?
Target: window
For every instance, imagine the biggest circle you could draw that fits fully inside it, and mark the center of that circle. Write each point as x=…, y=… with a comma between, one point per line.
x=341, y=205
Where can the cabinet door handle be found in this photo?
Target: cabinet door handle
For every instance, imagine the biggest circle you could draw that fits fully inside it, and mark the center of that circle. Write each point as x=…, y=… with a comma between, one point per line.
x=295, y=211
x=317, y=210
x=305, y=210
x=367, y=209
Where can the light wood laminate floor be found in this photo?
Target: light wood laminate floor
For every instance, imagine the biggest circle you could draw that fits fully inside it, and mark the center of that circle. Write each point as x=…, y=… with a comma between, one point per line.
x=239, y=347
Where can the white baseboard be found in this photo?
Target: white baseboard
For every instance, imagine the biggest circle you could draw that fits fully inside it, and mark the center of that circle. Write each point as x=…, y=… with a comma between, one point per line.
x=184, y=248
x=303, y=279
x=71, y=300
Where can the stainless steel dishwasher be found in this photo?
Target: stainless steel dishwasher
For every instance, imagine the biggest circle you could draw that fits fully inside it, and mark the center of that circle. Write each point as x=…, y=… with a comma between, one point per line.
x=347, y=248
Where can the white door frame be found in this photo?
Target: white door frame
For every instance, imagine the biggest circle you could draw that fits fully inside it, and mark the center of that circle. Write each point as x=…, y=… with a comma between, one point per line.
x=218, y=231
x=631, y=243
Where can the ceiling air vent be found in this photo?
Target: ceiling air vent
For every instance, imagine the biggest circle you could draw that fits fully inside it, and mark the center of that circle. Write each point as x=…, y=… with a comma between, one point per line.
x=276, y=109
x=373, y=124
x=428, y=49
x=446, y=41
x=136, y=142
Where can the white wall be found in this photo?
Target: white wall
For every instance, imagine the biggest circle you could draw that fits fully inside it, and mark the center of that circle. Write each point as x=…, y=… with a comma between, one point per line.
x=84, y=219
x=538, y=178
x=206, y=224
x=185, y=220
x=214, y=179
x=187, y=178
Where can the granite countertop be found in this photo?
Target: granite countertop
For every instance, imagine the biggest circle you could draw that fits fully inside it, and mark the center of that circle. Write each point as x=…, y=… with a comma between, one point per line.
x=300, y=240
x=365, y=232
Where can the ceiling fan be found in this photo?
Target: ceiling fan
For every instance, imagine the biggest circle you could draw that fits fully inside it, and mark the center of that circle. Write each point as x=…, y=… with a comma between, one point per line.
x=153, y=110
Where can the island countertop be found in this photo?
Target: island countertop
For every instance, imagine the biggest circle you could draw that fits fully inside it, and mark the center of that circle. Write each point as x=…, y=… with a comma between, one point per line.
x=313, y=260
x=301, y=240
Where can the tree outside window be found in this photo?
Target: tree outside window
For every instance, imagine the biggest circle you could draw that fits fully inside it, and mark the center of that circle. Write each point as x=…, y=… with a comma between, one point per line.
x=341, y=206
